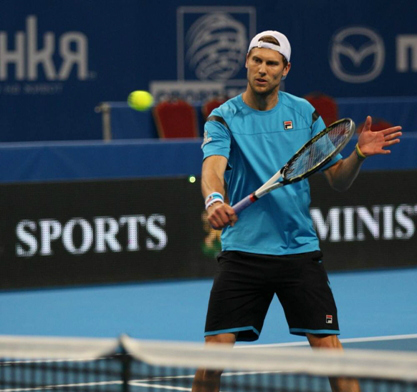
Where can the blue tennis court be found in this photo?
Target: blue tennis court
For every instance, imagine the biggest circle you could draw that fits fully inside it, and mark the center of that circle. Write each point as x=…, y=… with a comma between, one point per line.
x=377, y=310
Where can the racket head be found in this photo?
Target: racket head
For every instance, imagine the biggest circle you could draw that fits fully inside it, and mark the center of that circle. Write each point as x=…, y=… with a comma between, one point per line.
x=318, y=151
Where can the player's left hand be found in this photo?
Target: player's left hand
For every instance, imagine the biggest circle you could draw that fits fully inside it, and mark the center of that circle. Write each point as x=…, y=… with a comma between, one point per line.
x=374, y=142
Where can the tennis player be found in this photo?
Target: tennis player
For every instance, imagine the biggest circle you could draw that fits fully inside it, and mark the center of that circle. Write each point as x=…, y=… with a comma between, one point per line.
x=272, y=247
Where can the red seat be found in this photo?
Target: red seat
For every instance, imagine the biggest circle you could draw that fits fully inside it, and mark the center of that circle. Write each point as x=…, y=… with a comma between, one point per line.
x=378, y=124
x=175, y=119
x=210, y=105
x=325, y=105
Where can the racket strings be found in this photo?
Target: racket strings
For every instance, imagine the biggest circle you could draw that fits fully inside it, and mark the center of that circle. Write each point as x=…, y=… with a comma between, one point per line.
x=318, y=151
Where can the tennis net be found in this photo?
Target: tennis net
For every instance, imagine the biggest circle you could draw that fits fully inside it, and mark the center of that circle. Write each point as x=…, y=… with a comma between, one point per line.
x=126, y=364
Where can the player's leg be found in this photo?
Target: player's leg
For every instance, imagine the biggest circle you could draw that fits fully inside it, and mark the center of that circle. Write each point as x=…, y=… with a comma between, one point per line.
x=208, y=380
x=237, y=308
x=310, y=308
x=338, y=384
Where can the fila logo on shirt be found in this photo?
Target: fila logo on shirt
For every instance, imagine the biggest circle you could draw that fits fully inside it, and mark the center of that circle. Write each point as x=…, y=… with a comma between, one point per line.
x=329, y=319
x=287, y=125
x=207, y=139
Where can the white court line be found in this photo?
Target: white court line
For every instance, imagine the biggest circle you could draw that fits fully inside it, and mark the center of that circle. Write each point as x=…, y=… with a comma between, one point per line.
x=149, y=383
x=159, y=386
x=63, y=386
x=349, y=340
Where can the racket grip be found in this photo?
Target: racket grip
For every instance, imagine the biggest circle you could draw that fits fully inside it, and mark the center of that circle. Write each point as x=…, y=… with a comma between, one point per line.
x=244, y=203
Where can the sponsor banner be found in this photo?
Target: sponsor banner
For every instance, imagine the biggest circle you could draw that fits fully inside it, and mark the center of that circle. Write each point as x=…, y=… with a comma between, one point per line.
x=78, y=233
x=371, y=225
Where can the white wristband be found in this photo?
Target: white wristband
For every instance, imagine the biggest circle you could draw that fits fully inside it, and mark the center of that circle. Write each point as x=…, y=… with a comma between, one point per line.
x=212, y=201
x=214, y=195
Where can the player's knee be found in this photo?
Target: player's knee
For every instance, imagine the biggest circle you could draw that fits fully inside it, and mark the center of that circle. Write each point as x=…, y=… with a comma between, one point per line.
x=210, y=375
x=223, y=338
x=324, y=341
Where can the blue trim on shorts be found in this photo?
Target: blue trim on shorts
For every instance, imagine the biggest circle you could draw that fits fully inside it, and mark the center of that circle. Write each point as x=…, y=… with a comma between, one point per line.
x=302, y=332
x=232, y=330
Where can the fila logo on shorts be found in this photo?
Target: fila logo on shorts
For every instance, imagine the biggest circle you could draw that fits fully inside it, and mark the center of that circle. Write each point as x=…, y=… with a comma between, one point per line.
x=329, y=319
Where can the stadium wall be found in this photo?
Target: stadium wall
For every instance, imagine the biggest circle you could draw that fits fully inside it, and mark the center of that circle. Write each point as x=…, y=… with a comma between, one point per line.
x=58, y=63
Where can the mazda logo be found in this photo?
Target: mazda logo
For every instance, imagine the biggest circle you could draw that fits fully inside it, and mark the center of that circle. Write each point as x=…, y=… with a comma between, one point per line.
x=357, y=55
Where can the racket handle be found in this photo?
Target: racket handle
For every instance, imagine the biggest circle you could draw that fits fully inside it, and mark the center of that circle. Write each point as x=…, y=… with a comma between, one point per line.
x=244, y=203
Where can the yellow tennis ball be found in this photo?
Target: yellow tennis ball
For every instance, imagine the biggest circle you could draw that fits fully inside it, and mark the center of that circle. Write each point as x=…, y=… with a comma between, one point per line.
x=140, y=100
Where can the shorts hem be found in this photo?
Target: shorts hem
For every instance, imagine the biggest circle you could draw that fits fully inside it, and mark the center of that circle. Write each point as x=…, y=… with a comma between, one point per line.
x=240, y=337
x=303, y=332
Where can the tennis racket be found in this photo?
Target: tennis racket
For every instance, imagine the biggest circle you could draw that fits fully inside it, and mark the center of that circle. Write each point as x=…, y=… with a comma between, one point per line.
x=311, y=157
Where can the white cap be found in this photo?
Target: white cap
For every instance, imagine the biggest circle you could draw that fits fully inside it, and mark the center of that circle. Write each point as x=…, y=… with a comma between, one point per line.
x=284, y=46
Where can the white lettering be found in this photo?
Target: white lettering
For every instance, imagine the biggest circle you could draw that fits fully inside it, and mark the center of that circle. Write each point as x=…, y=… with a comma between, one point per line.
x=73, y=58
x=155, y=225
x=402, y=216
x=132, y=230
x=43, y=56
x=23, y=234
x=106, y=231
x=29, y=56
x=331, y=224
x=349, y=217
x=386, y=222
x=388, y=212
x=50, y=231
x=16, y=57
x=68, y=236
x=78, y=235
x=370, y=221
x=406, y=53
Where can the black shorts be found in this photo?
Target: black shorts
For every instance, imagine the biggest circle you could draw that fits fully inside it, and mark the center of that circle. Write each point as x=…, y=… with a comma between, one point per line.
x=245, y=284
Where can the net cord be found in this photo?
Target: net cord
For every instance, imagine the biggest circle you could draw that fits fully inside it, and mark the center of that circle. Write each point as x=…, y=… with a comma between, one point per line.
x=383, y=365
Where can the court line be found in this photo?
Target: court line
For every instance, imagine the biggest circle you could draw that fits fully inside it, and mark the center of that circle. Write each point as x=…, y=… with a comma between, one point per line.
x=62, y=386
x=148, y=383
x=159, y=386
x=348, y=340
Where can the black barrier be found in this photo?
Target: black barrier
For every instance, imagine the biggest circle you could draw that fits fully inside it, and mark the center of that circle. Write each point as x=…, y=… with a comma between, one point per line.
x=372, y=225
x=55, y=234
x=77, y=233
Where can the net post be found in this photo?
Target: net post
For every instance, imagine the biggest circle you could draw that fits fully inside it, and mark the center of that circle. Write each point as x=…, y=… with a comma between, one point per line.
x=126, y=362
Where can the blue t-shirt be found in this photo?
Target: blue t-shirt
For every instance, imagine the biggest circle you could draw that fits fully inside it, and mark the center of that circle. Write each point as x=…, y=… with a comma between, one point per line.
x=257, y=144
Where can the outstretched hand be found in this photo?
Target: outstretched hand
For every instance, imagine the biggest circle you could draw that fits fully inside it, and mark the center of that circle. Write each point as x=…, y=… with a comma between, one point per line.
x=374, y=142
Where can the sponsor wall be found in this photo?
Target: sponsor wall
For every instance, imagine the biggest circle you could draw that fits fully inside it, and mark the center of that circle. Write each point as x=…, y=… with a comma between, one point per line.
x=88, y=232
x=59, y=60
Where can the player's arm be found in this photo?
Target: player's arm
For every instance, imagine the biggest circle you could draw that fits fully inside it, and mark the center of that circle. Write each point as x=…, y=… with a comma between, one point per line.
x=341, y=175
x=220, y=214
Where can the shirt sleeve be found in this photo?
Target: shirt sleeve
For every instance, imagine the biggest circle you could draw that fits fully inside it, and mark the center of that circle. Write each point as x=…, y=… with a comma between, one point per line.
x=217, y=140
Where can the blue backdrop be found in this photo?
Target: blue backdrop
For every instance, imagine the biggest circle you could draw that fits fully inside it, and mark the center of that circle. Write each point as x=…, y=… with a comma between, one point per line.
x=59, y=60
x=57, y=161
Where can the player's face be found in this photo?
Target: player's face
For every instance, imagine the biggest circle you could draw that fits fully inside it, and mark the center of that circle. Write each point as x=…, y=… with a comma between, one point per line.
x=265, y=70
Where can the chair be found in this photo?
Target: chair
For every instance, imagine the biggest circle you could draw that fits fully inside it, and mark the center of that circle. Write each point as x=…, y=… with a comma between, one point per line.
x=325, y=105
x=175, y=119
x=210, y=105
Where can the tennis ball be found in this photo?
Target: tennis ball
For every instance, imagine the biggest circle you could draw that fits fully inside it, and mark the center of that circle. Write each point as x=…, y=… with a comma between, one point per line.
x=140, y=100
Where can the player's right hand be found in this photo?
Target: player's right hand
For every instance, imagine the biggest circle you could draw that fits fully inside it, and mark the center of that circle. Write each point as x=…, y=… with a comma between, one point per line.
x=221, y=215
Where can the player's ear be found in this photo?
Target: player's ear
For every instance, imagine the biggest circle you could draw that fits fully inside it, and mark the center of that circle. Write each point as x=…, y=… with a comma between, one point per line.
x=246, y=62
x=286, y=69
